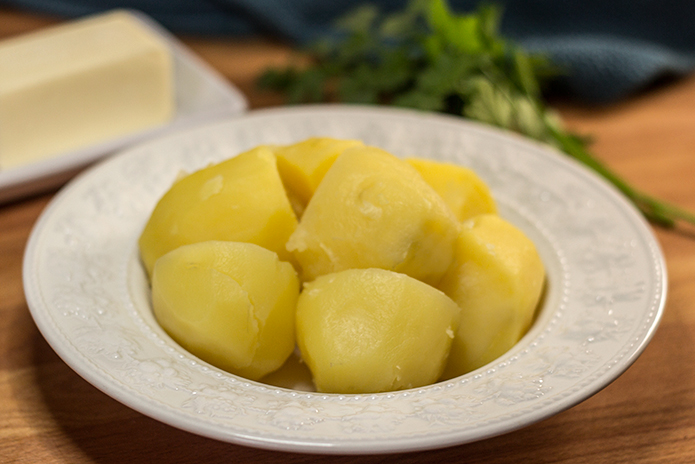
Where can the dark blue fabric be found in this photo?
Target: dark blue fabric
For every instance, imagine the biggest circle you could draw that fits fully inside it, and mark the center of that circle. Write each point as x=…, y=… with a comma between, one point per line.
x=607, y=49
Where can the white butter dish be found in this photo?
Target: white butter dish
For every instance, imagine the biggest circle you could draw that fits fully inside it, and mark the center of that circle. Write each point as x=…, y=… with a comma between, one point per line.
x=201, y=95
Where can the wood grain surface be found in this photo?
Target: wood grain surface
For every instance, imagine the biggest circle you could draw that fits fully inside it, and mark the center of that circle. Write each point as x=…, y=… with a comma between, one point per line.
x=48, y=414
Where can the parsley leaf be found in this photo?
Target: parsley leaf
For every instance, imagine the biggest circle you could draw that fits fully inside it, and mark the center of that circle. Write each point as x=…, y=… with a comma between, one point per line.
x=430, y=58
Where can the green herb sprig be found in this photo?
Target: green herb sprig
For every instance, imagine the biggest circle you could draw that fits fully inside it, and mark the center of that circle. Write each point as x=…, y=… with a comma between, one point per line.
x=430, y=58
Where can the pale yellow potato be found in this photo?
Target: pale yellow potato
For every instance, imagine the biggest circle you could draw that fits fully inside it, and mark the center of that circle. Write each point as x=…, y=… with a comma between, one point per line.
x=374, y=210
x=461, y=188
x=363, y=325
x=497, y=279
x=232, y=304
x=302, y=165
x=241, y=199
x=372, y=330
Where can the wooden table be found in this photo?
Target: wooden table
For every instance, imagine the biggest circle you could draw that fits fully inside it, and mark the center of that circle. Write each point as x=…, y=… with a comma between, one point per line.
x=50, y=414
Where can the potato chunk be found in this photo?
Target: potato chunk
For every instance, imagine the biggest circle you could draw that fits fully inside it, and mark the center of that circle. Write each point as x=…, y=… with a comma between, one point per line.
x=231, y=304
x=497, y=279
x=241, y=199
x=374, y=210
x=302, y=165
x=372, y=330
x=460, y=188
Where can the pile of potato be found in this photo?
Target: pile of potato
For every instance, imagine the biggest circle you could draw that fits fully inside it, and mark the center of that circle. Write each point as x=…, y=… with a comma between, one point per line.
x=386, y=273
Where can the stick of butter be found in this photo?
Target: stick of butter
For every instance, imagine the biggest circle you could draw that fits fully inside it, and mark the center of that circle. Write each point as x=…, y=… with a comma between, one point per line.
x=81, y=83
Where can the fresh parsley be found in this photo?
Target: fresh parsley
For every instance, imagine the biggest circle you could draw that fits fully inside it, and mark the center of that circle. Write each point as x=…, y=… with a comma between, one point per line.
x=430, y=58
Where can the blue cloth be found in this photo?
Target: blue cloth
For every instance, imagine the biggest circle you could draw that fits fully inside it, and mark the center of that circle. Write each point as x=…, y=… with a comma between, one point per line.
x=607, y=49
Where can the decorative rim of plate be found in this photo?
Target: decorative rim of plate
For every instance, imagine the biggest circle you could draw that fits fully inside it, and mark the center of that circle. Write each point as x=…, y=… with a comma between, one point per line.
x=606, y=291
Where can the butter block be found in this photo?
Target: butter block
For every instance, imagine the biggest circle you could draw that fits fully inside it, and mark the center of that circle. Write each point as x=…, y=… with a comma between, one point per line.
x=80, y=83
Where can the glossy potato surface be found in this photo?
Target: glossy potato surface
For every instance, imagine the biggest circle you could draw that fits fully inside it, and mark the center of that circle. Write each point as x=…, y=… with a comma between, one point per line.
x=374, y=210
x=497, y=279
x=372, y=330
x=460, y=188
x=241, y=199
x=302, y=165
x=232, y=304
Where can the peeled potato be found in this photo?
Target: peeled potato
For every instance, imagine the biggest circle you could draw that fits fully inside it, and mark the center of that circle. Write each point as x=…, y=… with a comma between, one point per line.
x=372, y=330
x=374, y=210
x=231, y=304
x=377, y=234
x=460, y=188
x=241, y=199
x=302, y=165
x=497, y=279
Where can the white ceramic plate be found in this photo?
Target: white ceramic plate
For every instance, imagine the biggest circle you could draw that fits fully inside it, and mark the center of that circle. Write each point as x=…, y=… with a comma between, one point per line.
x=201, y=95
x=606, y=291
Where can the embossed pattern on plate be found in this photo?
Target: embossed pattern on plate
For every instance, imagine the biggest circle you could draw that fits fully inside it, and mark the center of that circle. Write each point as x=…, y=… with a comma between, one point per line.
x=605, y=296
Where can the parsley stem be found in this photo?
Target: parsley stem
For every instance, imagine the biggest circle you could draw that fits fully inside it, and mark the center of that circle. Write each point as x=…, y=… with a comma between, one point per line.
x=658, y=211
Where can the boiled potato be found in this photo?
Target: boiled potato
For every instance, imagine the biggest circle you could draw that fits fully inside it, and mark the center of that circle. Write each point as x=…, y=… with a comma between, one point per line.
x=302, y=165
x=497, y=279
x=240, y=199
x=372, y=330
x=232, y=304
x=460, y=188
x=376, y=236
x=374, y=210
